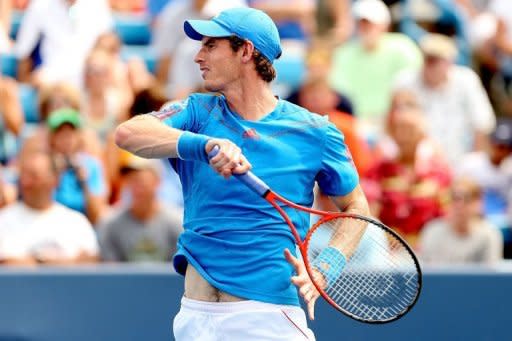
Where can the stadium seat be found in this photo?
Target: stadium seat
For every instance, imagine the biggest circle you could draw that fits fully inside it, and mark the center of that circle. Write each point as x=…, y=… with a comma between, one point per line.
x=9, y=64
x=132, y=29
x=143, y=52
x=29, y=103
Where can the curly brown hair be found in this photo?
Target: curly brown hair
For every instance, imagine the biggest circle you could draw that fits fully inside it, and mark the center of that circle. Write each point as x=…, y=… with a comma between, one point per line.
x=263, y=66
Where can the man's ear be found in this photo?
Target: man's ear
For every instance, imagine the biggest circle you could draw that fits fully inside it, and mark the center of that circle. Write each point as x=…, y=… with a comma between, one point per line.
x=247, y=51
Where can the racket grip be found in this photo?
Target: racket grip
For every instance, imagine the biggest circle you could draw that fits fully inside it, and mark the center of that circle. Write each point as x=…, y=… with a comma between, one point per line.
x=249, y=179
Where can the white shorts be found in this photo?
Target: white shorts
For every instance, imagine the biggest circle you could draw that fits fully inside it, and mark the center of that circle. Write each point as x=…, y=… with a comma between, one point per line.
x=244, y=320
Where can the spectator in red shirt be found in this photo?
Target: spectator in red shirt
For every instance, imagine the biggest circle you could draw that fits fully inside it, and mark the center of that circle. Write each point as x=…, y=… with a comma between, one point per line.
x=407, y=188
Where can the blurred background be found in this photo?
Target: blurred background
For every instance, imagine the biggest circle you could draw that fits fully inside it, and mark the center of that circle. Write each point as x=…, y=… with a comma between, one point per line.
x=421, y=89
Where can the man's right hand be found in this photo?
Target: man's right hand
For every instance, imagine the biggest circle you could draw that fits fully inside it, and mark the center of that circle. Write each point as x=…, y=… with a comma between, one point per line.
x=229, y=160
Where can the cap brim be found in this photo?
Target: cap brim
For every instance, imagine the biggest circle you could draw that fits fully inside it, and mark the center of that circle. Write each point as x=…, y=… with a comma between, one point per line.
x=197, y=29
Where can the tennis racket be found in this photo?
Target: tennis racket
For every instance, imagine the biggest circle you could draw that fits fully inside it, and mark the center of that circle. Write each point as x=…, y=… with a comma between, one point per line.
x=358, y=265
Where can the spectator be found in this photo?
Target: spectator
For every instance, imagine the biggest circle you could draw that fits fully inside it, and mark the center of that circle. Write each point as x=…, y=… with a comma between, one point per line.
x=169, y=20
x=407, y=189
x=5, y=25
x=318, y=65
x=144, y=230
x=39, y=230
x=11, y=118
x=442, y=16
x=57, y=96
x=103, y=105
x=8, y=190
x=492, y=171
x=295, y=19
x=128, y=6
x=456, y=107
x=81, y=184
x=317, y=96
x=66, y=33
x=502, y=10
x=334, y=18
x=365, y=67
x=111, y=44
x=463, y=236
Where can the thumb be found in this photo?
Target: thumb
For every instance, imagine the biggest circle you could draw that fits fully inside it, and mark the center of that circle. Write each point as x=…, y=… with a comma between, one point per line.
x=291, y=259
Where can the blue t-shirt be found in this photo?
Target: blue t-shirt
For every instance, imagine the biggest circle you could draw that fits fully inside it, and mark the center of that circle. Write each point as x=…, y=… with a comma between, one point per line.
x=234, y=238
x=70, y=194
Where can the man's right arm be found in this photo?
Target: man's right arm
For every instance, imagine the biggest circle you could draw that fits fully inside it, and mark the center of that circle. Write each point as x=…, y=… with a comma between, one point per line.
x=146, y=136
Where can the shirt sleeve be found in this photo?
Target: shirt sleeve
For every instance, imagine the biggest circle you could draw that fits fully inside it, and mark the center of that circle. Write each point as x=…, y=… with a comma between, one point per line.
x=494, y=250
x=30, y=29
x=85, y=236
x=478, y=104
x=338, y=175
x=95, y=179
x=183, y=114
x=108, y=246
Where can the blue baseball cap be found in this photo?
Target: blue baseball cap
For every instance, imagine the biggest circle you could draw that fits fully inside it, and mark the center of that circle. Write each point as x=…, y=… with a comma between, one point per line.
x=246, y=23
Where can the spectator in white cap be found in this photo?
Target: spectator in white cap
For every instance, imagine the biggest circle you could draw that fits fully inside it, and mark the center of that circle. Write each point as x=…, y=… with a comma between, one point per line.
x=458, y=110
x=364, y=68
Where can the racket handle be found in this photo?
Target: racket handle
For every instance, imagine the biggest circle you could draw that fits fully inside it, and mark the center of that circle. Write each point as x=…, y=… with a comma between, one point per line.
x=248, y=179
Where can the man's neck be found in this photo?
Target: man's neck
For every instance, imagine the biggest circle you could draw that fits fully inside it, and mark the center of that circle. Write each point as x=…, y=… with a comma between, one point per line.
x=252, y=100
x=38, y=203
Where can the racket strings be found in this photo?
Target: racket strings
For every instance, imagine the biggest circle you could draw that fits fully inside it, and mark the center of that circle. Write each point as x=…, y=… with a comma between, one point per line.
x=380, y=279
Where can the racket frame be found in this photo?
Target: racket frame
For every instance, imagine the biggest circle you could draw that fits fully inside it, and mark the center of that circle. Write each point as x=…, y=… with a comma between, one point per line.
x=326, y=216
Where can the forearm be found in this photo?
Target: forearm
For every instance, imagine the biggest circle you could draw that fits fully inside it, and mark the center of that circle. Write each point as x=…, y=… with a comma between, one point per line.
x=19, y=261
x=349, y=231
x=146, y=136
x=24, y=70
x=280, y=12
x=13, y=117
x=82, y=258
x=95, y=206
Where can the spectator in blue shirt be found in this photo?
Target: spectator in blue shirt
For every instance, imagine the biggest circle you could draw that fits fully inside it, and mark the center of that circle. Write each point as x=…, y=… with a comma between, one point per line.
x=82, y=184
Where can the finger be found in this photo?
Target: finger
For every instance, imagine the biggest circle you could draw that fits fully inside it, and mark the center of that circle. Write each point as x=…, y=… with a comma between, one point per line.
x=227, y=158
x=304, y=290
x=309, y=296
x=233, y=159
x=226, y=173
x=311, y=308
x=299, y=280
x=210, y=144
x=243, y=167
x=292, y=259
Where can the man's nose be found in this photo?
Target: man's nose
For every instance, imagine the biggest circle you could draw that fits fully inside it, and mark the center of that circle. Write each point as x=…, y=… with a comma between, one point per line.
x=198, y=57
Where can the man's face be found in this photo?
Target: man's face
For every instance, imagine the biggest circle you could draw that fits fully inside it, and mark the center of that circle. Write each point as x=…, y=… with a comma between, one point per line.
x=36, y=175
x=370, y=32
x=143, y=184
x=65, y=139
x=219, y=65
x=435, y=68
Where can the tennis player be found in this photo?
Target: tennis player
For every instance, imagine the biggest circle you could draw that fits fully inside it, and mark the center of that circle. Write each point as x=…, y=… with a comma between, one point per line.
x=236, y=252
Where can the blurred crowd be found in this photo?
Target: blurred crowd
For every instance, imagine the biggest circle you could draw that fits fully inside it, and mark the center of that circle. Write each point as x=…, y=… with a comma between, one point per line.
x=421, y=89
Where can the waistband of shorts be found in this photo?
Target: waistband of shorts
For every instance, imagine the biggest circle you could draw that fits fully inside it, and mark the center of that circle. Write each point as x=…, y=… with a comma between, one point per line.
x=231, y=307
